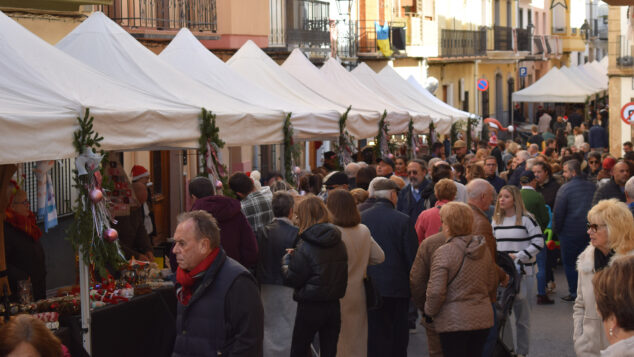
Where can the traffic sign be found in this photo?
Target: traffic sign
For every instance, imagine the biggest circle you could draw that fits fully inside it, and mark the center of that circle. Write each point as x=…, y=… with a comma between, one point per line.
x=482, y=84
x=523, y=72
x=627, y=113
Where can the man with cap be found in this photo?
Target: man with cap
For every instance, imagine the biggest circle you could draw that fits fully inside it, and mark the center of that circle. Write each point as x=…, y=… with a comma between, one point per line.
x=460, y=151
x=385, y=167
x=141, y=186
x=330, y=161
x=388, y=331
x=535, y=204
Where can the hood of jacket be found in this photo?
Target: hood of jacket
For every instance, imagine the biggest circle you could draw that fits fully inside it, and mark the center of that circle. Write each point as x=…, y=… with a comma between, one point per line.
x=322, y=234
x=474, y=247
x=221, y=207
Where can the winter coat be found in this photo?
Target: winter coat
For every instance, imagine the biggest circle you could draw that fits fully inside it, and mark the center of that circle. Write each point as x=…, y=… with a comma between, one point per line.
x=236, y=236
x=608, y=190
x=597, y=137
x=224, y=315
x=573, y=202
x=362, y=251
x=462, y=274
x=515, y=176
x=25, y=261
x=549, y=191
x=429, y=221
x=273, y=240
x=534, y=203
x=482, y=227
x=419, y=275
x=407, y=203
x=318, y=268
x=589, y=336
x=622, y=348
x=392, y=231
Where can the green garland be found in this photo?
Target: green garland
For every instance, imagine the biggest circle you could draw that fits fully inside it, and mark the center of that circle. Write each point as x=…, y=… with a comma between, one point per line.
x=383, y=127
x=345, y=142
x=411, y=148
x=291, y=150
x=209, y=133
x=82, y=232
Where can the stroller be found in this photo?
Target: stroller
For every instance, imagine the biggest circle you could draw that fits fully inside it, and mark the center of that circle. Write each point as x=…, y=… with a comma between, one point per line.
x=504, y=302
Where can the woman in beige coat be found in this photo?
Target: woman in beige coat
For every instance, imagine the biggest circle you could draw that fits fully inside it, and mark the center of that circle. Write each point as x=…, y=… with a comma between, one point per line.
x=611, y=230
x=362, y=251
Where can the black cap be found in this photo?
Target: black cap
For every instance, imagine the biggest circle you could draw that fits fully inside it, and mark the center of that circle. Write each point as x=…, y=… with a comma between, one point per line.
x=388, y=161
x=527, y=176
x=338, y=178
x=329, y=154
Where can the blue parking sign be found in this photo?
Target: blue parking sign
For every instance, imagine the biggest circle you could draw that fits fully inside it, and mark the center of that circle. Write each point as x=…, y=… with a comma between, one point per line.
x=523, y=71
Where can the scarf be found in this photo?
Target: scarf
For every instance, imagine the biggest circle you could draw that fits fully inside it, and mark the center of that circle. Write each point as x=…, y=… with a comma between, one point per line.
x=26, y=224
x=187, y=278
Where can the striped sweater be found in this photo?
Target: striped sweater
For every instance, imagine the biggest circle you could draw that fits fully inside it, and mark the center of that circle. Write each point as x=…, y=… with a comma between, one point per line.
x=525, y=240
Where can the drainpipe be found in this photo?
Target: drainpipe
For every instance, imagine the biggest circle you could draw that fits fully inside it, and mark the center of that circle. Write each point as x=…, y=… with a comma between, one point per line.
x=476, y=92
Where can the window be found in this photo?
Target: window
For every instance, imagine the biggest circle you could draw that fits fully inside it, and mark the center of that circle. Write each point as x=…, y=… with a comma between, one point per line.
x=62, y=177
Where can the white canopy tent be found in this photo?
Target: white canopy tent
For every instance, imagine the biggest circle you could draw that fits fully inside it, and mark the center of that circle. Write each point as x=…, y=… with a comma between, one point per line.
x=553, y=87
x=334, y=72
x=188, y=55
x=104, y=45
x=453, y=112
x=43, y=90
x=251, y=62
x=596, y=74
x=581, y=79
x=603, y=63
x=304, y=71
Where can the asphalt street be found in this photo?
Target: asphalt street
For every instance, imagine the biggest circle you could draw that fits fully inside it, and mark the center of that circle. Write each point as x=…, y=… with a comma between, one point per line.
x=551, y=327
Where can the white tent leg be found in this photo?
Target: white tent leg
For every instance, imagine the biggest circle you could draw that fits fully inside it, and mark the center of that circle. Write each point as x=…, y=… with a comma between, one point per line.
x=84, y=294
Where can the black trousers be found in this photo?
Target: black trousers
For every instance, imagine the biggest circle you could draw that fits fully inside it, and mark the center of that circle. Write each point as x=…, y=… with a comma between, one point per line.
x=388, y=331
x=463, y=343
x=314, y=317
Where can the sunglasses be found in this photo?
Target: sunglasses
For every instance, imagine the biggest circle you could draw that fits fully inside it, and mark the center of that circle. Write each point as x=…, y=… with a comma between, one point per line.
x=594, y=227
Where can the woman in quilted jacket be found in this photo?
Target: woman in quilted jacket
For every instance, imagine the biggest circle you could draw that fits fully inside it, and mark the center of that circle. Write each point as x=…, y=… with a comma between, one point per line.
x=462, y=274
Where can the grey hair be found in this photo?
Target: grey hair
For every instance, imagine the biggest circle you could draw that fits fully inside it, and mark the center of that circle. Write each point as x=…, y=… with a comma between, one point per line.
x=362, y=164
x=352, y=169
x=574, y=166
x=432, y=162
x=205, y=226
x=387, y=194
x=477, y=187
x=629, y=188
x=371, y=191
x=523, y=154
x=530, y=163
x=534, y=146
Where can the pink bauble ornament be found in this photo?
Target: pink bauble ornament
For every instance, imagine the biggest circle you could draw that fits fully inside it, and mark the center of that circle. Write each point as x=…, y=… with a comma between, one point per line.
x=218, y=184
x=297, y=170
x=390, y=155
x=96, y=195
x=110, y=235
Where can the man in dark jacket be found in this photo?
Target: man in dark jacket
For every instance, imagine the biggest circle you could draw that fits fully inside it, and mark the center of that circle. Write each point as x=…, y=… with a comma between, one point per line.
x=219, y=307
x=614, y=188
x=410, y=199
x=388, y=333
x=236, y=235
x=597, y=137
x=573, y=202
x=521, y=158
x=490, y=170
x=629, y=194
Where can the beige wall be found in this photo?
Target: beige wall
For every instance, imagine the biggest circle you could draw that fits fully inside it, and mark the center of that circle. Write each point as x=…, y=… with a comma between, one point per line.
x=50, y=28
x=243, y=17
x=450, y=74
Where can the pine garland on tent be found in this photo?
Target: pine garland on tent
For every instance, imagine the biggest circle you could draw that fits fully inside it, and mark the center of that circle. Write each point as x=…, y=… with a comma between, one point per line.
x=90, y=231
x=345, y=143
x=291, y=151
x=411, y=145
x=209, y=145
x=382, y=139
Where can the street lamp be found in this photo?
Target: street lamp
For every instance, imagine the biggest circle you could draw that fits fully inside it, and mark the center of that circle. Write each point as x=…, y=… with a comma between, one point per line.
x=585, y=31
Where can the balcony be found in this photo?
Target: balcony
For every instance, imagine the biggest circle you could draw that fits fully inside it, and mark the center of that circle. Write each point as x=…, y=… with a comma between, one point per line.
x=624, y=53
x=368, y=42
x=367, y=39
x=462, y=43
x=539, y=47
x=307, y=24
x=554, y=45
x=523, y=40
x=346, y=39
x=500, y=38
x=162, y=15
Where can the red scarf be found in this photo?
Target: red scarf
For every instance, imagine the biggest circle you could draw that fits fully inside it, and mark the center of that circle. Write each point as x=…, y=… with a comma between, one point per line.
x=187, y=278
x=26, y=224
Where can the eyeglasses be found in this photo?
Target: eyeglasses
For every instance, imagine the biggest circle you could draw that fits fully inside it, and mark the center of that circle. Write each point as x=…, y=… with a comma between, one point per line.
x=412, y=172
x=594, y=227
x=592, y=162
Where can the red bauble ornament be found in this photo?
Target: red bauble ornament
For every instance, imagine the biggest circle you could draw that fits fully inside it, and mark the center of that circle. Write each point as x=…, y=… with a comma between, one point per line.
x=96, y=195
x=110, y=235
x=551, y=245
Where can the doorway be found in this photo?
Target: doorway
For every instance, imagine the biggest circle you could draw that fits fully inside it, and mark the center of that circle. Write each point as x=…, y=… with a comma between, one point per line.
x=160, y=174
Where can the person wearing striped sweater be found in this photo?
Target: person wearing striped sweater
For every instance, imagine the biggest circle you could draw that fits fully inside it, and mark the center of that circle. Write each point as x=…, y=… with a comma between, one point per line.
x=518, y=234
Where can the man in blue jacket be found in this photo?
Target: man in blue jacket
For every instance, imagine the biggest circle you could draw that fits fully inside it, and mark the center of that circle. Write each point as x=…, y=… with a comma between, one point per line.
x=572, y=204
x=597, y=136
x=388, y=333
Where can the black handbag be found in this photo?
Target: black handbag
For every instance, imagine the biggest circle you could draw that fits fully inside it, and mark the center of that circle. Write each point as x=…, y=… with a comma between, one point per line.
x=373, y=299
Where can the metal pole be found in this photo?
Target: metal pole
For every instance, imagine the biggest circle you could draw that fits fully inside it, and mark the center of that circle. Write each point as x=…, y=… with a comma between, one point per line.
x=84, y=295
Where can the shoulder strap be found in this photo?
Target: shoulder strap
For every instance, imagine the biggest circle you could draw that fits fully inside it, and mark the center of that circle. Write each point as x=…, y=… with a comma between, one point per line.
x=464, y=255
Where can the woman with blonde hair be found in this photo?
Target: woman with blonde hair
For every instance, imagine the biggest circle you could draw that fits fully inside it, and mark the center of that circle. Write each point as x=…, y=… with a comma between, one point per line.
x=317, y=268
x=611, y=229
x=518, y=234
x=462, y=274
x=362, y=251
x=614, y=291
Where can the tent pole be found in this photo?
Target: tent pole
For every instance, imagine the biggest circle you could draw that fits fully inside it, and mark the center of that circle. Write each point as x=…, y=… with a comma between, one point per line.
x=84, y=294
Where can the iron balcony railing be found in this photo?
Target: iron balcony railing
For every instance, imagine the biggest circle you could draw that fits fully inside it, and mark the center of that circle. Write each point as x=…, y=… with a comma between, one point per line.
x=523, y=39
x=346, y=40
x=625, y=52
x=502, y=38
x=197, y=15
x=307, y=23
x=538, y=45
x=460, y=43
x=553, y=45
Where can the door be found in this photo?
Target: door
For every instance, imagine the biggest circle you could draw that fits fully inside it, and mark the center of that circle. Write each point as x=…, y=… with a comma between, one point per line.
x=499, y=99
x=160, y=174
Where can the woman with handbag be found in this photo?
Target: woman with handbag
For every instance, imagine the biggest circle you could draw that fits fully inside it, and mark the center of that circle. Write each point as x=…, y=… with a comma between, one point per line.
x=362, y=251
x=462, y=274
x=317, y=268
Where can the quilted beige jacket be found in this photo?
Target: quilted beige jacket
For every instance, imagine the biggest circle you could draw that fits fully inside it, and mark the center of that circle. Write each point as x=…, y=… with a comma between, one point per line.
x=461, y=303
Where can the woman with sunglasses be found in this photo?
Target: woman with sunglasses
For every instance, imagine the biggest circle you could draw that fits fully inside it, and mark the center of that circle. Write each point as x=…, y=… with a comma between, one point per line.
x=611, y=230
x=23, y=249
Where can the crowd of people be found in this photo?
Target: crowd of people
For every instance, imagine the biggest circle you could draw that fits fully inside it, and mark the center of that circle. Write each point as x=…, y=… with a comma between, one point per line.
x=350, y=259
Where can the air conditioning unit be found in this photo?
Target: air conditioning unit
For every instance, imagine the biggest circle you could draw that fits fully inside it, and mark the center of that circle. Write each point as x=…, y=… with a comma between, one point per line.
x=625, y=61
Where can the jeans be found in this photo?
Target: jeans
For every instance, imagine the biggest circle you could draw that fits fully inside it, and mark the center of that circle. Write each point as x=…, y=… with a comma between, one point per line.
x=522, y=312
x=313, y=317
x=571, y=247
x=388, y=333
x=542, y=256
x=463, y=343
x=489, y=345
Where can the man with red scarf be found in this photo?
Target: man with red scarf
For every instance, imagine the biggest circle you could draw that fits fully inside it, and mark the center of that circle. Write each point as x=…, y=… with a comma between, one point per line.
x=219, y=310
x=23, y=250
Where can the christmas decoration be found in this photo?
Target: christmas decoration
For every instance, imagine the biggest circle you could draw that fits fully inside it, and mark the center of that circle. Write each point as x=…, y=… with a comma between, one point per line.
x=291, y=151
x=91, y=218
x=411, y=143
x=382, y=141
x=209, y=146
x=110, y=235
x=96, y=195
x=345, y=144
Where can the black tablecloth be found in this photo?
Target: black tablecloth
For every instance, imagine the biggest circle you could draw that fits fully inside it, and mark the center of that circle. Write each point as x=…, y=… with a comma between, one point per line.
x=144, y=326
